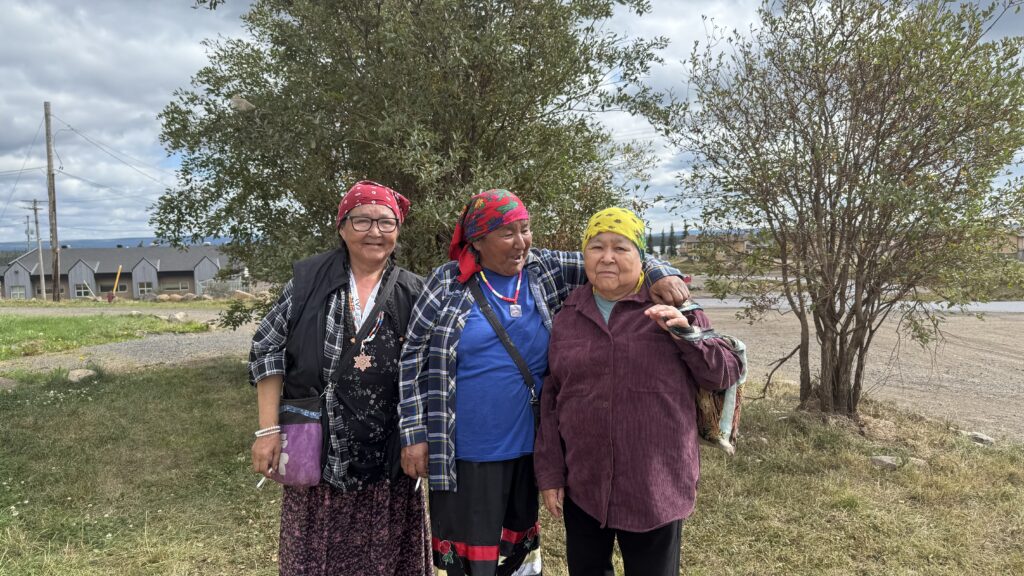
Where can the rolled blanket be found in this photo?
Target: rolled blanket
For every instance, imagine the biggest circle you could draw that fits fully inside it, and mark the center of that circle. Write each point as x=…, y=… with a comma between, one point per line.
x=718, y=413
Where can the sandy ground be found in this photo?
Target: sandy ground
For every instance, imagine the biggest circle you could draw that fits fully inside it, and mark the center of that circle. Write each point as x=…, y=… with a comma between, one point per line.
x=974, y=379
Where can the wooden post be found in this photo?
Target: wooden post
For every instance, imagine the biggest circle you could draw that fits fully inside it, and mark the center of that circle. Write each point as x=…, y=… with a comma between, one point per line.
x=52, y=191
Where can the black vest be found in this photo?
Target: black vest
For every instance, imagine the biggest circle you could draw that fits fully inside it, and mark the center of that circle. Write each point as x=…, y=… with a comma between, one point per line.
x=314, y=280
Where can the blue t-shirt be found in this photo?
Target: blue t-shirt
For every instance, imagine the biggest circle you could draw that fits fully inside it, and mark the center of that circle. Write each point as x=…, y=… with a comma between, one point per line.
x=493, y=419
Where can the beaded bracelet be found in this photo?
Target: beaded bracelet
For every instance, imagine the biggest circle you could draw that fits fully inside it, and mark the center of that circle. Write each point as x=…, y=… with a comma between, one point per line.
x=268, y=431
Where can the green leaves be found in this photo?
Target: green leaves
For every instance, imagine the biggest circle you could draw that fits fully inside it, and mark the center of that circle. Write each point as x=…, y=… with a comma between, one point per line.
x=871, y=141
x=438, y=99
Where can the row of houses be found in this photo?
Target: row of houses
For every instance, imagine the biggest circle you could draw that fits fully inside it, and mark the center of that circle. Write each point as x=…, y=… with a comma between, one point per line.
x=91, y=272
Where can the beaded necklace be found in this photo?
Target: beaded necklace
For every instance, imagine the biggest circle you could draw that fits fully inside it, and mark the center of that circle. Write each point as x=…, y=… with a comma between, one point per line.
x=514, y=309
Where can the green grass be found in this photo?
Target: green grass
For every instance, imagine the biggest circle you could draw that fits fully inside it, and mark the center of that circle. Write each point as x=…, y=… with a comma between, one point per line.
x=122, y=304
x=141, y=473
x=159, y=462
x=32, y=335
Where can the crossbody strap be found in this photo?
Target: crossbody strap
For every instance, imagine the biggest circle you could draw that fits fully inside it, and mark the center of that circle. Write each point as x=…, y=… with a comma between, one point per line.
x=485, y=308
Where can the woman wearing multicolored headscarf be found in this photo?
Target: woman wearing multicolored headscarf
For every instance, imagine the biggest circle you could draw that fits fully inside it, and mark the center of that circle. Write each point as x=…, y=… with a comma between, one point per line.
x=616, y=453
x=467, y=407
x=334, y=336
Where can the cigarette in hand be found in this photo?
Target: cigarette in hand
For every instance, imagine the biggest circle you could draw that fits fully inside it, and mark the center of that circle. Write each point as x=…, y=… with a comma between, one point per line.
x=264, y=479
x=417, y=486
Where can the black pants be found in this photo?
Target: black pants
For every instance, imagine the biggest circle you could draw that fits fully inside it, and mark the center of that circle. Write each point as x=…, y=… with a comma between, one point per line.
x=588, y=547
x=492, y=518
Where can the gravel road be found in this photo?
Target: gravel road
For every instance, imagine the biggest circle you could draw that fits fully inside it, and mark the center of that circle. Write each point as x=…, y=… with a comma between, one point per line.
x=975, y=379
x=155, y=350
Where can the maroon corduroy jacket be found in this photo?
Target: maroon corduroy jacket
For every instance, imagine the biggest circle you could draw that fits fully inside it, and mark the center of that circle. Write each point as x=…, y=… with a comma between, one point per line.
x=620, y=399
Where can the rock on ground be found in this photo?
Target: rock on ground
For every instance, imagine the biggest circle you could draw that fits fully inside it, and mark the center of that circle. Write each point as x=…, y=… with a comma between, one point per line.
x=886, y=462
x=80, y=374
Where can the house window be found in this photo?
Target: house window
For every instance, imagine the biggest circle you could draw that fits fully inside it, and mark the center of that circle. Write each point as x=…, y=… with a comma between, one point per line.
x=82, y=291
x=18, y=292
x=175, y=286
x=39, y=291
x=145, y=288
x=121, y=287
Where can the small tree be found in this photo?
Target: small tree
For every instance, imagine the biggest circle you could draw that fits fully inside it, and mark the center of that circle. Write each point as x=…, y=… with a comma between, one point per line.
x=671, y=240
x=439, y=99
x=868, y=144
x=662, y=243
x=650, y=242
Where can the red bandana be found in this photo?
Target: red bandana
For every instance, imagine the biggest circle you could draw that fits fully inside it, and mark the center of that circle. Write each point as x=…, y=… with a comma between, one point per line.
x=485, y=213
x=367, y=192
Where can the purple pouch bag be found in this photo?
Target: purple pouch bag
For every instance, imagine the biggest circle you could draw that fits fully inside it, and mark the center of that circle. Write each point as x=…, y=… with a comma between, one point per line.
x=301, y=442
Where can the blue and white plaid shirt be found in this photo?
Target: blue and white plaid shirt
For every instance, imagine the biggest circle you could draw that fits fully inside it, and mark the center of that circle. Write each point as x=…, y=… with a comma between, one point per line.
x=427, y=381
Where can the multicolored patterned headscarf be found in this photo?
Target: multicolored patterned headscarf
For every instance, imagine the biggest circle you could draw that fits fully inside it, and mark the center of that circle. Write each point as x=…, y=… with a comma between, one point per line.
x=622, y=222
x=369, y=192
x=485, y=213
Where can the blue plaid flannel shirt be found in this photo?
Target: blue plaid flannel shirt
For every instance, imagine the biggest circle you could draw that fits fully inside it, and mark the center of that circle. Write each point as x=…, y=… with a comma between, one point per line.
x=427, y=380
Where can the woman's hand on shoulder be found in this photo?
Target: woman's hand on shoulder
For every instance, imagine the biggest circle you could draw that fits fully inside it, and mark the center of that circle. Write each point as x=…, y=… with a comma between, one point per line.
x=670, y=290
x=667, y=316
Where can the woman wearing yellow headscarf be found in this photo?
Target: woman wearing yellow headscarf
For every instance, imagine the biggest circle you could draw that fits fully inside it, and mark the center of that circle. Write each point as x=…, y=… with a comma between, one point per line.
x=616, y=452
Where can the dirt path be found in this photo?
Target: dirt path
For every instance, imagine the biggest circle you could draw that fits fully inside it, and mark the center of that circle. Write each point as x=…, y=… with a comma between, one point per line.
x=975, y=379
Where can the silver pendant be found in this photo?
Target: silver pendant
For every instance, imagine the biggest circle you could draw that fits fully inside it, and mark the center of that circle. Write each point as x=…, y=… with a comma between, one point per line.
x=515, y=310
x=363, y=361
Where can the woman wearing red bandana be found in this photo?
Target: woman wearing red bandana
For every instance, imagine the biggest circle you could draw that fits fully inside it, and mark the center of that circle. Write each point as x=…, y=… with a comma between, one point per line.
x=351, y=304
x=467, y=407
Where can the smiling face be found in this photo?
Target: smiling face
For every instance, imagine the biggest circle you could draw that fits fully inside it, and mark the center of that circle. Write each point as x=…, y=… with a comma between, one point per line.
x=504, y=250
x=613, y=265
x=372, y=248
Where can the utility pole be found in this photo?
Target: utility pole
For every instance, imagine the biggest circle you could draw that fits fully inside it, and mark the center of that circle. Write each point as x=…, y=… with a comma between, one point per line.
x=39, y=245
x=28, y=234
x=52, y=191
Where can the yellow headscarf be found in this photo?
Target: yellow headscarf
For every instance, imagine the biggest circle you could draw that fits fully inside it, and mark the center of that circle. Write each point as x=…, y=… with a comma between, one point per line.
x=622, y=222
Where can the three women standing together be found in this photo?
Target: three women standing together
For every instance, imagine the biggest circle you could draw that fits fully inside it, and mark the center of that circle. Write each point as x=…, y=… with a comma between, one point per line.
x=467, y=392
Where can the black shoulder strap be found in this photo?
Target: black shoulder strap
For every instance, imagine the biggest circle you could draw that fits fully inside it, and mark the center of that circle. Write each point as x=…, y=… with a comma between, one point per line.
x=485, y=308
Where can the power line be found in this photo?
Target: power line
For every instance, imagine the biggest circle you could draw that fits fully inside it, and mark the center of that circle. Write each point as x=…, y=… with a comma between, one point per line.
x=13, y=188
x=148, y=195
x=110, y=152
x=20, y=171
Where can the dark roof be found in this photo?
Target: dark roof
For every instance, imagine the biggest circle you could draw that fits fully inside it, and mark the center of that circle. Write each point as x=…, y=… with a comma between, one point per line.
x=106, y=260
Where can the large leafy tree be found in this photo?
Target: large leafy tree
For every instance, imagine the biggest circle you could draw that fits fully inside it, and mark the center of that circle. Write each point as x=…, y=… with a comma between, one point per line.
x=438, y=99
x=870, y=144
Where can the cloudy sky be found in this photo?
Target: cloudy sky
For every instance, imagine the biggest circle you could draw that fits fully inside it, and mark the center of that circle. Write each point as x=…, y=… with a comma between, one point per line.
x=108, y=67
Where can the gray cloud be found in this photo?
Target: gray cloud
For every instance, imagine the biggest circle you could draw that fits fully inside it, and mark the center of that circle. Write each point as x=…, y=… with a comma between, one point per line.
x=110, y=66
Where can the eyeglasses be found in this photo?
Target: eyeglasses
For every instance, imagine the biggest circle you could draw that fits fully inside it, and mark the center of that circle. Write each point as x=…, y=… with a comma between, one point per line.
x=363, y=223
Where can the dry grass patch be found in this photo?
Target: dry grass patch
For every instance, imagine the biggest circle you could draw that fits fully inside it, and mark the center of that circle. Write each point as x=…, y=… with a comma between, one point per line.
x=147, y=473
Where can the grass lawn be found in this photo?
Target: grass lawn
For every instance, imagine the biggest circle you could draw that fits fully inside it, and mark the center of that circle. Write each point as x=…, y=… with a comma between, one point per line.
x=121, y=303
x=31, y=335
x=147, y=473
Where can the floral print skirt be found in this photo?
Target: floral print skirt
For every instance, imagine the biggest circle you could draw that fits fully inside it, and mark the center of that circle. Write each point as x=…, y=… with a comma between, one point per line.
x=378, y=531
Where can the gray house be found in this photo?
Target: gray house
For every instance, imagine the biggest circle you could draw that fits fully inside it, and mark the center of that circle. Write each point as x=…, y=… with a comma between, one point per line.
x=89, y=272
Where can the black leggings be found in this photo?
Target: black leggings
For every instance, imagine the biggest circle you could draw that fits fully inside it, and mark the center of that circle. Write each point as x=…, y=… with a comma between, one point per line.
x=588, y=547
